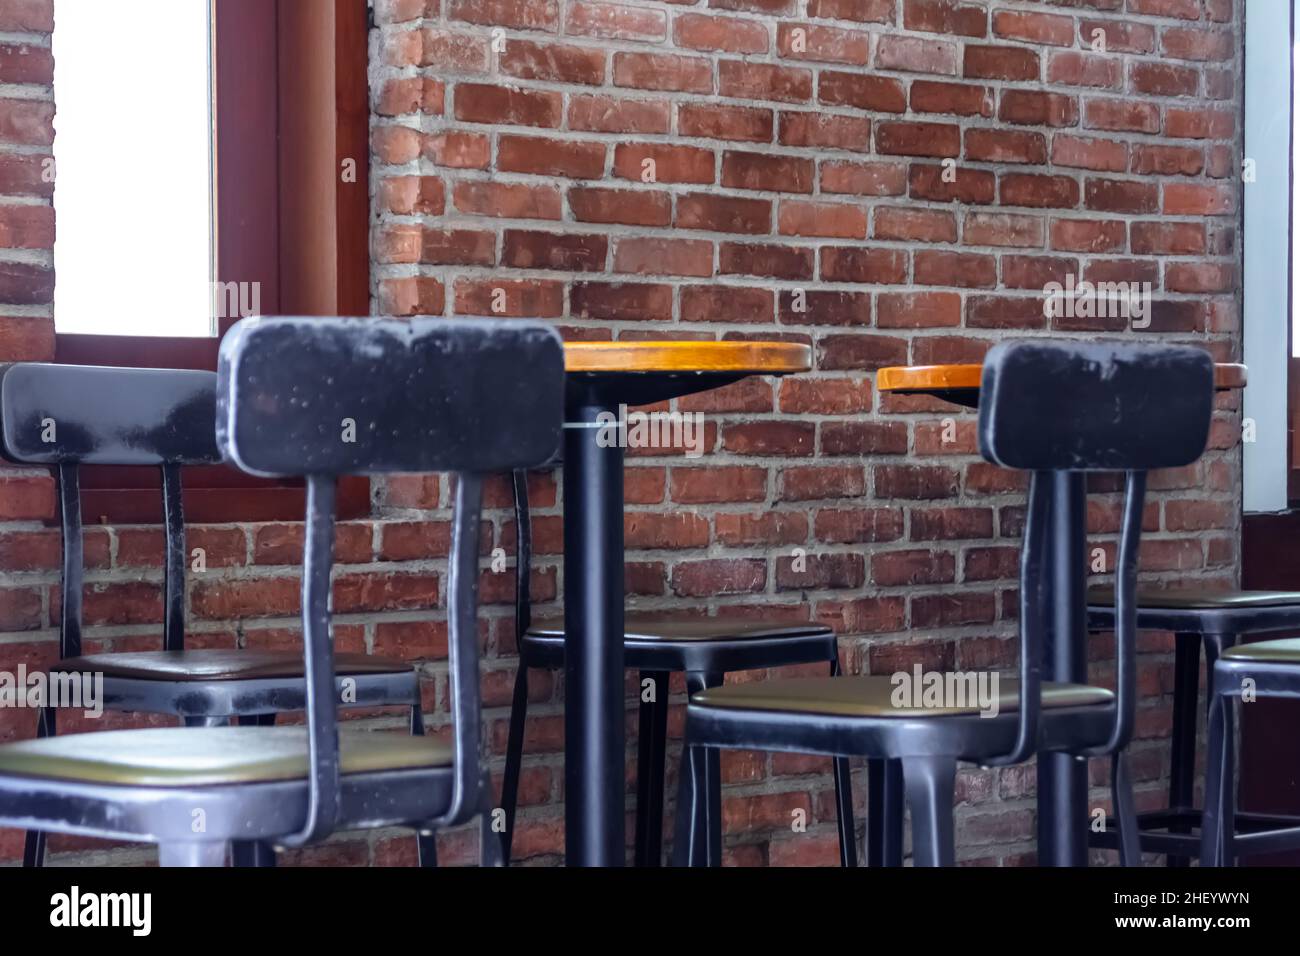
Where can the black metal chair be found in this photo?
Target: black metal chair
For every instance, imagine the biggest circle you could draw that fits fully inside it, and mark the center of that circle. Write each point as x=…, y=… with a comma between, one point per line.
x=425, y=395
x=1218, y=620
x=67, y=416
x=1248, y=672
x=1045, y=407
x=704, y=649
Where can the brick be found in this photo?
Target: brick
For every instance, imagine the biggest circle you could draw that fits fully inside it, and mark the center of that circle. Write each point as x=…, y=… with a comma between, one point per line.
x=482, y=103
x=457, y=148
x=918, y=139
x=452, y=50
x=553, y=62
x=764, y=81
x=538, y=298
x=663, y=71
x=832, y=220
x=967, y=185
x=633, y=207
x=807, y=41
x=716, y=213
x=1005, y=312
x=26, y=227
x=658, y=256
x=946, y=16
x=661, y=163
x=24, y=63
x=864, y=179
x=697, y=31
x=839, y=396
x=412, y=295
x=1035, y=272
x=520, y=14
x=879, y=94
x=1000, y=63
x=1005, y=146
x=1081, y=69
x=814, y=483
x=24, y=284
x=778, y=262
x=1160, y=160
x=1026, y=189
x=861, y=11
x=961, y=99
x=962, y=269
x=606, y=114
x=1119, y=36
x=1088, y=235
x=914, y=225
x=824, y=131
x=621, y=301
x=900, y=568
x=550, y=157
x=765, y=171
x=528, y=249
x=1202, y=45
x=863, y=438
x=711, y=121
x=1002, y=229
x=1164, y=79
x=918, y=310
x=1183, y=9
x=1199, y=124
x=1116, y=195
x=822, y=307
x=612, y=21
x=1121, y=116
x=1081, y=152
x=1035, y=108
x=24, y=16
x=916, y=55
x=860, y=264
x=1168, y=238
x=509, y=200
x=1045, y=28
x=706, y=485
x=1200, y=277
x=867, y=352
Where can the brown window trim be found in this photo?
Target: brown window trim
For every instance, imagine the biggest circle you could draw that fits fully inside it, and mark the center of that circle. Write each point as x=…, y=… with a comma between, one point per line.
x=290, y=105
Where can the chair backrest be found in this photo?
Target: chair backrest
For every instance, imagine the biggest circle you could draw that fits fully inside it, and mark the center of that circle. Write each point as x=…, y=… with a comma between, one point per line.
x=69, y=415
x=1052, y=407
x=323, y=397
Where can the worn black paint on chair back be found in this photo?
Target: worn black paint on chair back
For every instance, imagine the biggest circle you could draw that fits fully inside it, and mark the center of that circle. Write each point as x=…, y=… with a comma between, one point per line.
x=325, y=397
x=1094, y=407
x=349, y=396
x=70, y=415
x=1053, y=407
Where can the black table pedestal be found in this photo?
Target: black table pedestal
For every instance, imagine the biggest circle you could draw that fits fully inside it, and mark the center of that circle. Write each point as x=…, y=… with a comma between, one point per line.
x=593, y=641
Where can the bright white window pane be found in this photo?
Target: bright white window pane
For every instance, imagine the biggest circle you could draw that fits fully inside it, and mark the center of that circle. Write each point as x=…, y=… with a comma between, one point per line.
x=132, y=151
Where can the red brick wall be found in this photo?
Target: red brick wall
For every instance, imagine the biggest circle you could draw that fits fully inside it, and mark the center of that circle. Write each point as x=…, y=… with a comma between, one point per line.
x=813, y=161
x=776, y=171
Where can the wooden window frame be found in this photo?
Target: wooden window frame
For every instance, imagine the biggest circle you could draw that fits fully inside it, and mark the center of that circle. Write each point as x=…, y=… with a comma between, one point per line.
x=290, y=105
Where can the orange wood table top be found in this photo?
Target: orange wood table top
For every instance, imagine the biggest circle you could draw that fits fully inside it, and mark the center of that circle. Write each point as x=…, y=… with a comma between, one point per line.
x=732, y=357
x=961, y=383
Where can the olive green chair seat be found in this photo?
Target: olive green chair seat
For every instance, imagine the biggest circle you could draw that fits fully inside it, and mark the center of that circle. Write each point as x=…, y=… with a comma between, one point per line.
x=1198, y=598
x=875, y=696
x=209, y=756
x=220, y=665
x=1281, y=652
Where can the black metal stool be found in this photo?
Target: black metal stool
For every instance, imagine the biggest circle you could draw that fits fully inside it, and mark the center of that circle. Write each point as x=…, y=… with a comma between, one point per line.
x=425, y=395
x=1045, y=407
x=1250, y=671
x=704, y=649
x=1217, y=620
x=67, y=416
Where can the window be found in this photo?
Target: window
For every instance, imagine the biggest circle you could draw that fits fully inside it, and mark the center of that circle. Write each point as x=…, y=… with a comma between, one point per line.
x=250, y=205
x=133, y=255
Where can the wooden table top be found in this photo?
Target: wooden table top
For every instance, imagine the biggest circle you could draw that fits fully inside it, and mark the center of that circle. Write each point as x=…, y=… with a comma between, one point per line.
x=925, y=378
x=735, y=357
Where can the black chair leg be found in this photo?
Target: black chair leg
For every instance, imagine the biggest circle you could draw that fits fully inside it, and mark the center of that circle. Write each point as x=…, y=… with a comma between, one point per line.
x=697, y=837
x=651, y=757
x=884, y=812
x=844, y=799
x=697, y=833
x=930, y=783
x=1125, y=808
x=34, y=842
x=1217, y=820
x=211, y=853
x=514, y=759
x=1182, y=764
